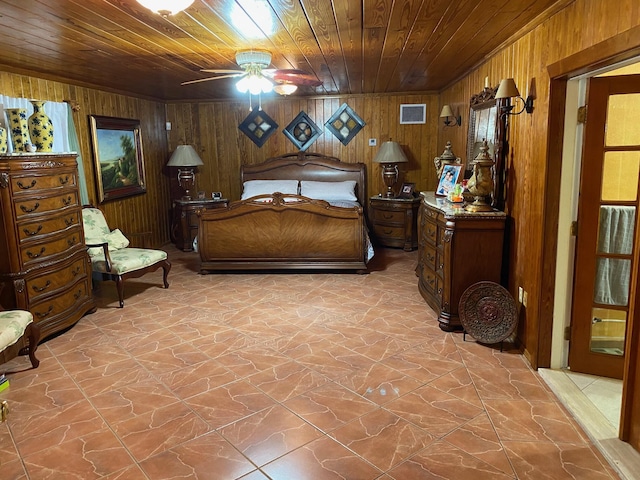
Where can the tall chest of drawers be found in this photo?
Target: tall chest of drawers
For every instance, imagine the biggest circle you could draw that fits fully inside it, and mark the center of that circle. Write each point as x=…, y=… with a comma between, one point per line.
x=456, y=249
x=44, y=265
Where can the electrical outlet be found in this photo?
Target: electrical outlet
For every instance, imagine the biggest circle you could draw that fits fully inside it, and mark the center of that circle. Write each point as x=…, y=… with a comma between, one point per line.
x=520, y=291
x=524, y=298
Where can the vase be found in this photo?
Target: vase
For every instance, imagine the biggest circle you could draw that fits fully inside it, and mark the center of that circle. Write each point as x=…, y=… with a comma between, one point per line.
x=480, y=185
x=3, y=140
x=18, y=127
x=40, y=127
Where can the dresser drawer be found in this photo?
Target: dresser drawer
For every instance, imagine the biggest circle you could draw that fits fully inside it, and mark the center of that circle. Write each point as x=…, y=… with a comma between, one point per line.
x=35, y=253
x=31, y=183
x=36, y=206
x=388, y=216
x=430, y=232
x=428, y=279
x=56, y=280
x=54, y=306
x=429, y=256
x=35, y=229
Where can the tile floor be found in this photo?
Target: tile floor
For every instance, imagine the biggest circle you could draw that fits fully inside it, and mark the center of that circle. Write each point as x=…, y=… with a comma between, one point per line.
x=284, y=376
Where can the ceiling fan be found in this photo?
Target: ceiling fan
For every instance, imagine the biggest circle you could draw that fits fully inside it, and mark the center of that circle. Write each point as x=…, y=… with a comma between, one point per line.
x=257, y=78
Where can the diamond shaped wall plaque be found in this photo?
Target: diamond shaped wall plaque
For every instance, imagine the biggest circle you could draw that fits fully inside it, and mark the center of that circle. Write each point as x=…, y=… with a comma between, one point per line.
x=302, y=131
x=258, y=126
x=345, y=124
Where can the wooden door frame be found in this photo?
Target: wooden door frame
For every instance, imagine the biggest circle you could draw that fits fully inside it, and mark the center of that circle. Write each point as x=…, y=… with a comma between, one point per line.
x=616, y=49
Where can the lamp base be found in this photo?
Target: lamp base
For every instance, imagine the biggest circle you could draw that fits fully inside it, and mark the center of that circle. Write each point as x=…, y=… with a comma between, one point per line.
x=389, y=177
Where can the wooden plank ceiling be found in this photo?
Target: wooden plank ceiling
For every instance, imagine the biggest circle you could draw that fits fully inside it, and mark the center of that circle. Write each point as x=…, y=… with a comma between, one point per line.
x=352, y=46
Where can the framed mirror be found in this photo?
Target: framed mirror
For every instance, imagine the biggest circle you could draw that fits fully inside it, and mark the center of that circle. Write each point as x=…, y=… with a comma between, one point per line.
x=485, y=122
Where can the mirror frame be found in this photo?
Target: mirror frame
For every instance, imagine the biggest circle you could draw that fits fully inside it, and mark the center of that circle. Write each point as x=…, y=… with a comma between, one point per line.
x=480, y=102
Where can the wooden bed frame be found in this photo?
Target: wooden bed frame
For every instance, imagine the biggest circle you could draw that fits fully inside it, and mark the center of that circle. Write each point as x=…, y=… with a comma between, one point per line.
x=282, y=234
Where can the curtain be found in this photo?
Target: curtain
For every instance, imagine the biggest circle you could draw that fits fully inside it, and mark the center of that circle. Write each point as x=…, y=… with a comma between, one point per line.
x=75, y=147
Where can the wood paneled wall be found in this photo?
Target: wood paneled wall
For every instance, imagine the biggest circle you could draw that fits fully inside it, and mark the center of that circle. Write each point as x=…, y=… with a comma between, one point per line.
x=148, y=212
x=581, y=25
x=212, y=129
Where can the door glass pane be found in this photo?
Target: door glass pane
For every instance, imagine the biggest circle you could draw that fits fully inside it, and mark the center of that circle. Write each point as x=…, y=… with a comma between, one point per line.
x=608, y=331
x=617, y=224
x=623, y=120
x=612, y=281
x=620, y=176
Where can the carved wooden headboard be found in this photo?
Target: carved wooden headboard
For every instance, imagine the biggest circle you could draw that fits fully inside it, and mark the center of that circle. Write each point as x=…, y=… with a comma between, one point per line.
x=309, y=166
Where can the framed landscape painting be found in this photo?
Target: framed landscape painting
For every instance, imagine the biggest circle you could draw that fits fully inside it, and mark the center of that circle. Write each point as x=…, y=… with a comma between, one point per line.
x=117, y=155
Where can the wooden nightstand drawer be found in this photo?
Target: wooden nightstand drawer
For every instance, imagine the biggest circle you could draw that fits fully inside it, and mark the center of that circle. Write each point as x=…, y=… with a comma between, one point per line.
x=388, y=231
x=430, y=232
x=389, y=216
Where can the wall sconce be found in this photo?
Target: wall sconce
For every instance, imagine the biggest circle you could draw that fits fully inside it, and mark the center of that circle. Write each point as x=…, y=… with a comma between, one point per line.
x=389, y=155
x=185, y=158
x=508, y=89
x=446, y=113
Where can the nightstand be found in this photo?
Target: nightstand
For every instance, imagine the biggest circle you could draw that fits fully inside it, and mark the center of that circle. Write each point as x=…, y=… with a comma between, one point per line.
x=394, y=221
x=184, y=225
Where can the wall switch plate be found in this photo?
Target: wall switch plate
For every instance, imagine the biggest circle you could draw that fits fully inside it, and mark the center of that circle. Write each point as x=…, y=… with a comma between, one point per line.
x=373, y=142
x=168, y=126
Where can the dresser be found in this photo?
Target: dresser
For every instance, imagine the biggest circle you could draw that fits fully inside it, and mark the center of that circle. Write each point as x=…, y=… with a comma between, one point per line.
x=394, y=221
x=44, y=265
x=184, y=225
x=456, y=249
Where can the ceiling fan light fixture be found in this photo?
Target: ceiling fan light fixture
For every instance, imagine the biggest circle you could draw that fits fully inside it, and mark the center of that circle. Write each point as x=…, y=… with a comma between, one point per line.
x=285, y=88
x=166, y=7
x=254, y=84
x=257, y=58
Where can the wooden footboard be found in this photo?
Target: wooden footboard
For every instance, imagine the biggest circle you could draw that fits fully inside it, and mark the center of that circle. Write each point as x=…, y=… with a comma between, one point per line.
x=286, y=232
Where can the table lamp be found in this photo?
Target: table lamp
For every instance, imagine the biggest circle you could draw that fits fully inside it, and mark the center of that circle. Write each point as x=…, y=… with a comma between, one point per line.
x=185, y=158
x=389, y=155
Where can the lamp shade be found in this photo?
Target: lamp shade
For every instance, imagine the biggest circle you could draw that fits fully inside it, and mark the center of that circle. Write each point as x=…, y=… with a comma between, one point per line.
x=390, y=152
x=166, y=7
x=184, y=156
x=507, y=89
x=446, y=111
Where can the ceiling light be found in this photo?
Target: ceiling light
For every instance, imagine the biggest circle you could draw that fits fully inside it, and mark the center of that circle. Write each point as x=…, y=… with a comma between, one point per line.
x=285, y=88
x=166, y=7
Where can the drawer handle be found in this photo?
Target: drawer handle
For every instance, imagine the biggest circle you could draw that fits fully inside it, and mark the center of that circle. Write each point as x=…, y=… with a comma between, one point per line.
x=67, y=201
x=75, y=271
x=44, y=314
x=388, y=232
x=29, y=210
x=41, y=289
x=29, y=232
x=431, y=281
x=64, y=181
x=431, y=232
x=35, y=255
x=72, y=242
x=387, y=216
x=27, y=187
x=70, y=222
x=78, y=295
x=430, y=257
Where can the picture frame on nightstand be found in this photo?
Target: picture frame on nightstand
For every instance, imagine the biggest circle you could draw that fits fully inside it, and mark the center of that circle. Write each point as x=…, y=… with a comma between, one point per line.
x=406, y=191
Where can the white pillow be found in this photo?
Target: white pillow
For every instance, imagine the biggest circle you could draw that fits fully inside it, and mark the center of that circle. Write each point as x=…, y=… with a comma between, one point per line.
x=329, y=191
x=115, y=239
x=251, y=188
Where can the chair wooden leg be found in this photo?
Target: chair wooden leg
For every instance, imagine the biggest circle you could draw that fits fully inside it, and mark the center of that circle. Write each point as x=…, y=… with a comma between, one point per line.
x=33, y=334
x=166, y=266
x=120, y=289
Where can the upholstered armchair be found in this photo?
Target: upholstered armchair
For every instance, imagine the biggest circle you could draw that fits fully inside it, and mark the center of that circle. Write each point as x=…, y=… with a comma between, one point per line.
x=19, y=335
x=111, y=256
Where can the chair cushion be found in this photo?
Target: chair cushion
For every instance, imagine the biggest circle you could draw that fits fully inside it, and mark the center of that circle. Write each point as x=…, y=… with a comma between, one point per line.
x=127, y=260
x=12, y=326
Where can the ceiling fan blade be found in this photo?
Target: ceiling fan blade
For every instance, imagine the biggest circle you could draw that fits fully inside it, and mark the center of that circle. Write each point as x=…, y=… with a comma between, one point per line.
x=295, y=76
x=207, y=70
x=213, y=78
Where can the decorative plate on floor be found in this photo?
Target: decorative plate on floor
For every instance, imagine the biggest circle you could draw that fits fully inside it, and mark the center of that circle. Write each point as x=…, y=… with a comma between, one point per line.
x=488, y=312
